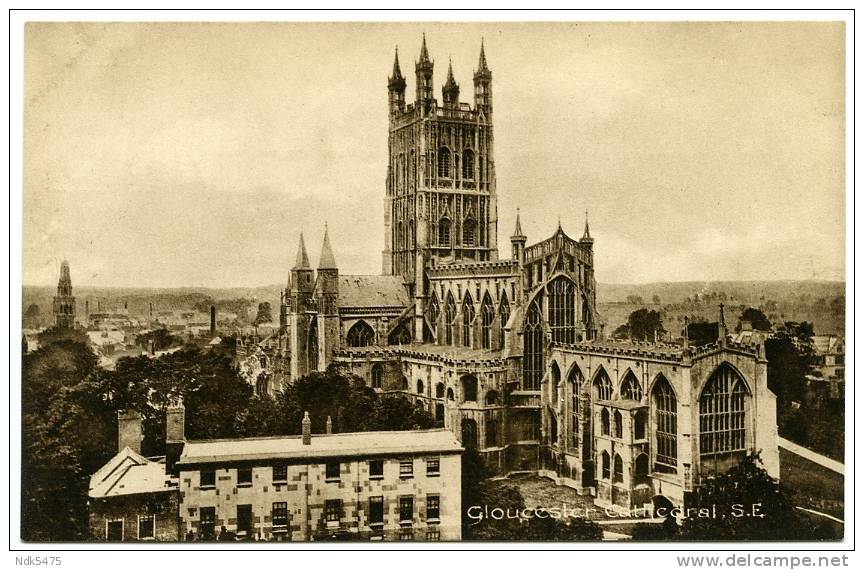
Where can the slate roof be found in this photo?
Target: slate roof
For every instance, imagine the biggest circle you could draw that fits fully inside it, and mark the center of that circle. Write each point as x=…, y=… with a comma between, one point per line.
x=362, y=444
x=372, y=291
x=130, y=473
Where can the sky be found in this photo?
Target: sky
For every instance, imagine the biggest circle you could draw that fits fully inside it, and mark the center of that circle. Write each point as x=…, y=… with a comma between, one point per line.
x=165, y=155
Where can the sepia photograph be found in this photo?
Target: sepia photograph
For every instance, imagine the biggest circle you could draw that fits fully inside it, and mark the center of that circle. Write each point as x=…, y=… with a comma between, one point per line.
x=473, y=282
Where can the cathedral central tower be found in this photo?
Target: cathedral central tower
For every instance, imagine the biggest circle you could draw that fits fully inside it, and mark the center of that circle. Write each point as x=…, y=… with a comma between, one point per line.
x=441, y=204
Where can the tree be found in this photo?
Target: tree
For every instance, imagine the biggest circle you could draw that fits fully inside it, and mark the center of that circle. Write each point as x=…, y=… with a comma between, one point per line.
x=635, y=300
x=701, y=332
x=642, y=324
x=32, y=311
x=655, y=299
x=161, y=337
x=749, y=505
x=756, y=318
x=264, y=314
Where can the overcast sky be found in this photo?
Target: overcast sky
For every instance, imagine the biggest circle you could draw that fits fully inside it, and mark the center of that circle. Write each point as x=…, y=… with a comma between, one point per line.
x=194, y=154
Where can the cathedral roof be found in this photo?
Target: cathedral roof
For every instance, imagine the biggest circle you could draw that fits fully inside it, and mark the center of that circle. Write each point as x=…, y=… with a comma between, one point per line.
x=372, y=291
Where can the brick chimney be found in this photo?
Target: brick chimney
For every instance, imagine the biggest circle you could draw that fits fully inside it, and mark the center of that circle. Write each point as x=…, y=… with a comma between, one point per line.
x=129, y=432
x=307, y=429
x=175, y=435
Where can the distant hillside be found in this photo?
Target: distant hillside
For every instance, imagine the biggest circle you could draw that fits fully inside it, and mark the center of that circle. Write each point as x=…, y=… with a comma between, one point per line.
x=815, y=301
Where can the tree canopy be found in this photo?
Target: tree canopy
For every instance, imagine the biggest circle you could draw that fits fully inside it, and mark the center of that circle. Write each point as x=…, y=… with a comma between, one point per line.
x=642, y=324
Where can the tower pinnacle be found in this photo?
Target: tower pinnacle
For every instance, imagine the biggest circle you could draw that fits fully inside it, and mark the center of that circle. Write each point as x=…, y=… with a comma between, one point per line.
x=481, y=65
x=518, y=231
x=327, y=260
x=424, y=53
x=302, y=257
x=450, y=91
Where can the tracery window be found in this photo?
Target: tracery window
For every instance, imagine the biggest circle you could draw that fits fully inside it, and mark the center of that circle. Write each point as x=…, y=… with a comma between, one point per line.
x=361, y=334
x=630, y=388
x=443, y=162
x=377, y=375
x=449, y=319
x=618, y=469
x=618, y=423
x=444, y=232
x=469, y=231
x=487, y=315
x=468, y=164
x=467, y=319
x=602, y=386
x=574, y=379
x=532, y=354
x=434, y=311
x=504, y=316
x=722, y=413
x=562, y=310
x=604, y=421
x=666, y=426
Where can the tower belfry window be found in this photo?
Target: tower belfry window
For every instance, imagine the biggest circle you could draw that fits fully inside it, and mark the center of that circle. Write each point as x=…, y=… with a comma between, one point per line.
x=443, y=162
x=444, y=233
x=469, y=232
x=468, y=164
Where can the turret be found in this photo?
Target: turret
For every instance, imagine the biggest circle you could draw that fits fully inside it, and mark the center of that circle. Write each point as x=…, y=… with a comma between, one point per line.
x=64, y=302
x=328, y=276
x=450, y=91
x=518, y=240
x=586, y=235
x=423, y=72
x=483, y=84
x=396, y=87
x=301, y=277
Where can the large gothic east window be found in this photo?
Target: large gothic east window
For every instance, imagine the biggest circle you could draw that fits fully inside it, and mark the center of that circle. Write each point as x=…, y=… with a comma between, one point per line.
x=562, y=310
x=665, y=426
x=722, y=413
x=532, y=353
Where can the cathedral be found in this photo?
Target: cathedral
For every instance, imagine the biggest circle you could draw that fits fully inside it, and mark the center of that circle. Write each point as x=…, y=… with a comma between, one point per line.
x=508, y=351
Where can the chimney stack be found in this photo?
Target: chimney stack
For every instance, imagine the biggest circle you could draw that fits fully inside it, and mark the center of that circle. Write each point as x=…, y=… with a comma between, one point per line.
x=307, y=429
x=175, y=434
x=329, y=425
x=129, y=432
x=212, y=320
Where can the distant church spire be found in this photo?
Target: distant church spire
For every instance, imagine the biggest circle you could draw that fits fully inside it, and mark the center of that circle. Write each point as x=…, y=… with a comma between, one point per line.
x=397, y=71
x=327, y=260
x=302, y=257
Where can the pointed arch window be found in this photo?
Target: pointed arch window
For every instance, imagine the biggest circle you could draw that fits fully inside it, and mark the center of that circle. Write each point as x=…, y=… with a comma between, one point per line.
x=666, y=426
x=449, y=319
x=554, y=380
x=361, y=334
x=469, y=233
x=439, y=390
x=487, y=315
x=574, y=382
x=562, y=310
x=602, y=386
x=532, y=354
x=630, y=387
x=468, y=164
x=469, y=434
x=604, y=465
x=504, y=316
x=400, y=335
x=618, y=424
x=377, y=375
x=467, y=319
x=420, y=387
x=434, y=311
x=313, y=346
x=443, y=162
x=492, y=433
x=722, y=413
x=604, y=421
x=444, y=232
x=640, y=469
x=618, y=469
x=469, y=388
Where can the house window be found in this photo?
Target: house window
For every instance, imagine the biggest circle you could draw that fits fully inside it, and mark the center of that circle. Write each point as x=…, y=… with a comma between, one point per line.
x=376, y=469
x=114, y=530
x=244, y=476
x=244, y=519
x=280, y=472
x=332, y=470
x=146, y=527
x=406, y=469
x=333, y=510
x=208, y=478
x=406, y=509
x=433, y=507
x=376, y=510
x=433, y=467
x=207, y=523
x=279, y=515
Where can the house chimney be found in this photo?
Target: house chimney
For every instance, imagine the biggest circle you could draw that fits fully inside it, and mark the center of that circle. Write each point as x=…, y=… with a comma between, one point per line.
x=212, y=320
x=175, y=435
x=129, y=433
x=329, y=425
x=307, y=429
